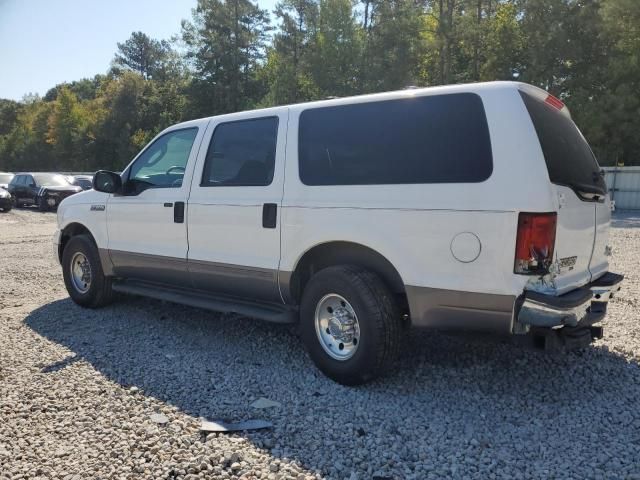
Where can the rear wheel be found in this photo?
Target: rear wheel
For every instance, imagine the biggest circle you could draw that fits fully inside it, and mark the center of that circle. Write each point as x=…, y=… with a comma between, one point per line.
x=350, y=324
x=83, y=275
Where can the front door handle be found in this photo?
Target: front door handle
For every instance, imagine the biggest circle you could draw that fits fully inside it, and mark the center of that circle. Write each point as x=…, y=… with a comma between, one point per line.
x=269, y=215
x=178, y=212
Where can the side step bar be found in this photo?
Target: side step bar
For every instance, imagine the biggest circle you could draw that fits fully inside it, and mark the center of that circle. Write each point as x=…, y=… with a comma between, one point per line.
x=271, y=312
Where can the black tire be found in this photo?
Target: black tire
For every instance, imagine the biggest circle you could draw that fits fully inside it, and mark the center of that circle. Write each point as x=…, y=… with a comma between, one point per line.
x=378, y=318
x=42, y=204
x=99, y=292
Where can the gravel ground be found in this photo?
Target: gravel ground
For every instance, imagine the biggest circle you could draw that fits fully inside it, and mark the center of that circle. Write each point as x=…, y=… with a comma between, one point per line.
x=78, y=389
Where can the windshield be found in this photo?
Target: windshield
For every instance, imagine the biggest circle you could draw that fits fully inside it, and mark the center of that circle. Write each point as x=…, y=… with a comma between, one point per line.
x=50, y=180
x=5, y=177
x=83, y=182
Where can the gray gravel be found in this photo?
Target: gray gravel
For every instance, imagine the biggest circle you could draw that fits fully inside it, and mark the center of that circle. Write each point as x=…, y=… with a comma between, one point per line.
x=118, y=392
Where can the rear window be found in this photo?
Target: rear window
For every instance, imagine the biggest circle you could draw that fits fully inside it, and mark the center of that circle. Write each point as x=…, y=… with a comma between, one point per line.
x=569, y=158
x=432, y=139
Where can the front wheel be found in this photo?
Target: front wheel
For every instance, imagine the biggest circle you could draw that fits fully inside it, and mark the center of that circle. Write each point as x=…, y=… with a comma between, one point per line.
x=83, y=275
x=350, y=324
x=42, y=204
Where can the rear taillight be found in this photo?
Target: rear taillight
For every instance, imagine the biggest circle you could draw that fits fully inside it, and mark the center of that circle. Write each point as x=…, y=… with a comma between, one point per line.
x=534, y=243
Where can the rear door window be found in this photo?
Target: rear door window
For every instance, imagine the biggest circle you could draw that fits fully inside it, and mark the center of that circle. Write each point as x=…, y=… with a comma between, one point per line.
x=569, y=158
x=428, y=139
x=242, y=154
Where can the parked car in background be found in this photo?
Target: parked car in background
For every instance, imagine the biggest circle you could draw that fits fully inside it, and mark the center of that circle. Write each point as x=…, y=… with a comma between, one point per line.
x=466, y=207
x=45, y=190
x=5, y=200
x=5, y=179
x=83, y=181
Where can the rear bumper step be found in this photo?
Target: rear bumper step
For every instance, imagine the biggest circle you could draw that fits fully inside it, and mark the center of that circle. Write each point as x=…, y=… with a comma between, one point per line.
x=581, y=307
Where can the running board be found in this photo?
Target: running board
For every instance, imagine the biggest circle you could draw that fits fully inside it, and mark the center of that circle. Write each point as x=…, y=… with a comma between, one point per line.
x=271, y=312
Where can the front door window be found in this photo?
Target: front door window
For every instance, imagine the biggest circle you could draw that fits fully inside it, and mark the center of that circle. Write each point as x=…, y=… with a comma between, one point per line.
x=163, y=163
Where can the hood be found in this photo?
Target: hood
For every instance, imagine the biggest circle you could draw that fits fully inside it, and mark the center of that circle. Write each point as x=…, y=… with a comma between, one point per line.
x=62, y=188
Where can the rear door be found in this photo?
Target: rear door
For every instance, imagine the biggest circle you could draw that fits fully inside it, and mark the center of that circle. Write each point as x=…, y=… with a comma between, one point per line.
x=583, y=213
x=234, y=206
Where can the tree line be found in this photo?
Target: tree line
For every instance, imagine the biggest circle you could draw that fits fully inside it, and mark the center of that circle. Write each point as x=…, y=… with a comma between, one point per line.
x=231, y=55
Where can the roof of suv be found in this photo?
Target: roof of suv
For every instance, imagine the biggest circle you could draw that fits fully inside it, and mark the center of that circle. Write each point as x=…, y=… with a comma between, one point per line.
x=408, y=92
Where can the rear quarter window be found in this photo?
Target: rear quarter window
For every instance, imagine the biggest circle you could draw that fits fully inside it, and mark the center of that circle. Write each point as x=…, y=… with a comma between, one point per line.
x=428, y=139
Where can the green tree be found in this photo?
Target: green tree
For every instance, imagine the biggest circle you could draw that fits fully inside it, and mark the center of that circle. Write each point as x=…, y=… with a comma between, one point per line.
x=144, y=55
x=392, y=47
x=337, y=47
x=504, y=44
x=226, y=44
x=287, y=70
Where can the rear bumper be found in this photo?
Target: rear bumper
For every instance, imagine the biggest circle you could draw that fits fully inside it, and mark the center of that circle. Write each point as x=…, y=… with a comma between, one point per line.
x=581, y=307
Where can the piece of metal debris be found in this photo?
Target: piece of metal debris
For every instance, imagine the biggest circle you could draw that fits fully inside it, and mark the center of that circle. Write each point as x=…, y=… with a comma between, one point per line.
x=220, y=426
x=265, y=403
x=159, y=418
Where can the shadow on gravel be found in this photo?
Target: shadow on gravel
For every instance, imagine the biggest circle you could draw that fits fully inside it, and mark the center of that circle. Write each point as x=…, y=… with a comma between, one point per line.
x=489, y=403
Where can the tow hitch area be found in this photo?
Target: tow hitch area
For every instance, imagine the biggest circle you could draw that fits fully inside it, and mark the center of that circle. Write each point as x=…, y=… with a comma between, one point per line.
x=570, y=337
x=564, y=339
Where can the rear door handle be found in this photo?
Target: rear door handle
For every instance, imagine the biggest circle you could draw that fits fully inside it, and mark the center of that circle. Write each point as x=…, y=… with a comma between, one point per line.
x=178, y=212
x=269, y=215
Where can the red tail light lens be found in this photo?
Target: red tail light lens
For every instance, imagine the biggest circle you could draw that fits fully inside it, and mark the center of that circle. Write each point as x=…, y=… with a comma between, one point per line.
x=554, y=102
x=534, y=243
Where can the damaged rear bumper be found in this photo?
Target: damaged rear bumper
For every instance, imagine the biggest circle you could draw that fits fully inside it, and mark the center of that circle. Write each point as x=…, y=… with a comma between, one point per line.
x=581, y=307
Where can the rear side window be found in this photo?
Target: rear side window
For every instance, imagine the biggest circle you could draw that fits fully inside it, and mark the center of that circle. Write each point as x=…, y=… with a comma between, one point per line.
x=242, y=153
x=569, y=158
x=432, y=139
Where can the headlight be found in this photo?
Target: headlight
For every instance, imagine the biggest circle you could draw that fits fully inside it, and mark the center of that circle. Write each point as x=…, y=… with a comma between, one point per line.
x=4, y=193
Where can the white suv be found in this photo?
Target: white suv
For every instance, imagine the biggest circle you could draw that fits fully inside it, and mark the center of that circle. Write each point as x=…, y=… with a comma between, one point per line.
x=474, y=207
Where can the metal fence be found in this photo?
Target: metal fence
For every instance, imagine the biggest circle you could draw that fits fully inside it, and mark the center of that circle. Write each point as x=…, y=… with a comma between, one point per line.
x=623, y=184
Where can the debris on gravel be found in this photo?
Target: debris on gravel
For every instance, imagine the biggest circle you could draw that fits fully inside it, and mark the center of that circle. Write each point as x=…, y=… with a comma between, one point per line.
x=265, y=403
x=81, y=391
x=220, y=426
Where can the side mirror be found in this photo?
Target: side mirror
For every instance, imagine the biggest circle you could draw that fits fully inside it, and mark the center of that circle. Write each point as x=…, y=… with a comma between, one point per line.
x=107, y=182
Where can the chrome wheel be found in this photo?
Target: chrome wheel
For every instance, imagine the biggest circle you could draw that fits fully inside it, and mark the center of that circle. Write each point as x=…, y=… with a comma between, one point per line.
x=337, y=327
x=80, y=272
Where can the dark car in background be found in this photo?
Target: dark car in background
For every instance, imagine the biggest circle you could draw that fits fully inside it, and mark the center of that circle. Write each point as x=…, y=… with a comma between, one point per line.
x=45, y=190
x=5, y=179
x=83, y=181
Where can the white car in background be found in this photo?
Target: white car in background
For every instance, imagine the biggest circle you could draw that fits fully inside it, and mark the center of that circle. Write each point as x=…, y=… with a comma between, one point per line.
x=471, y=207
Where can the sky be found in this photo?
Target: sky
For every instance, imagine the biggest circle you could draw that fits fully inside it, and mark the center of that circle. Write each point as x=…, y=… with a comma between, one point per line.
x=46, y=42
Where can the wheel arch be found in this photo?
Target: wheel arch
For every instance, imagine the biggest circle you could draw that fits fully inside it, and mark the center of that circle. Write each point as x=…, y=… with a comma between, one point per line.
x=71, y=230
x=332, y=253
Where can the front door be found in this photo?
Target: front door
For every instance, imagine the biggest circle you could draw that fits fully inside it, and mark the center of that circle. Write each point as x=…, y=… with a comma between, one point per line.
x=234, y=206
x=146, y=225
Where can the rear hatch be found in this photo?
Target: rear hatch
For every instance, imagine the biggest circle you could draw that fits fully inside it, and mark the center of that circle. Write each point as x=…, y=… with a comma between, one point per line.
x=584, y=210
